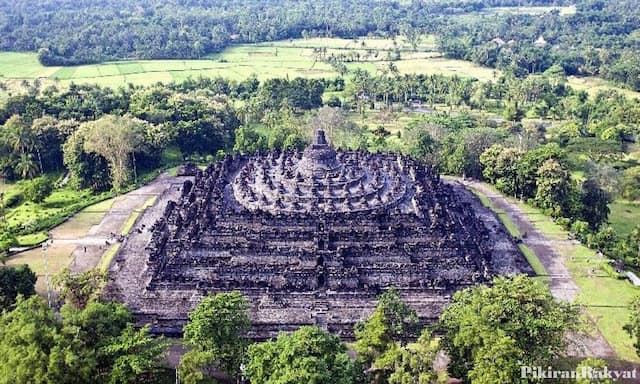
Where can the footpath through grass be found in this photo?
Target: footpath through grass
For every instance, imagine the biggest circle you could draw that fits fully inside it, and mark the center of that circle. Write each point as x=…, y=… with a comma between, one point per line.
x=604, y=298
x=512, y=228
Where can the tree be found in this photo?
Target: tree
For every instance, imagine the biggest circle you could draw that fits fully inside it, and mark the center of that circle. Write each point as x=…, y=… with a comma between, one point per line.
x=116, y=139
x=26, y=167
x=80, y=289
x=14, y=281
x=517, y=315
x=27, y=334
x=308, y=355
x=37, y=190
x=132, y=353
x=391, y=322
x=552, y=188
x=95, y=344
x=248, y=140
x=633, y=326
x=587, y=366
x=594, y=204
x=218, y=327
x=410, y=364
x=88, y=170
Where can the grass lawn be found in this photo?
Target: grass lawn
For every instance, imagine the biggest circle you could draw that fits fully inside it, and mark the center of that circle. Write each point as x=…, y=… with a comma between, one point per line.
x=108, y=256
x=624, y=215
x=58, y=258
x=32, y=239
x=604, y=298
x=60, y=204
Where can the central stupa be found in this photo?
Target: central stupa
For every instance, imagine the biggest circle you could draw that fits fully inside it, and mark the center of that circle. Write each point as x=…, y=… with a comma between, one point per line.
x=325, y=180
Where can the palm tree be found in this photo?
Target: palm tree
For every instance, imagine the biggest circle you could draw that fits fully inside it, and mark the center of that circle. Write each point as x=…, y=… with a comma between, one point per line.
x=26, y=167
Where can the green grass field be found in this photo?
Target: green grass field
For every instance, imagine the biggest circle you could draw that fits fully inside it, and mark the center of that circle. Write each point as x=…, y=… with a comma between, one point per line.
x=624, y=215
x=594, y=85
x=288, y=58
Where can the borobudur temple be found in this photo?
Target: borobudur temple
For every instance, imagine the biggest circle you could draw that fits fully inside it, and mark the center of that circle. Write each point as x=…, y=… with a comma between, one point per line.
x=308, y=237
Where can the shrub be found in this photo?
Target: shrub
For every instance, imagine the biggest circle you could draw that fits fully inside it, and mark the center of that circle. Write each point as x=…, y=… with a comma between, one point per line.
x=11, y=199
x=609, y=270
x=37, y=190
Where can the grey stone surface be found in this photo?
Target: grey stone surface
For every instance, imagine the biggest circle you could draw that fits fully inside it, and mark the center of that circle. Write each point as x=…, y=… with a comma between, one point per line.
x=309, y=238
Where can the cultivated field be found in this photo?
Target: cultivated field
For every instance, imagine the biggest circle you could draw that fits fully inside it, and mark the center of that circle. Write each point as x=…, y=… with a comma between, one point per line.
x=290, y=58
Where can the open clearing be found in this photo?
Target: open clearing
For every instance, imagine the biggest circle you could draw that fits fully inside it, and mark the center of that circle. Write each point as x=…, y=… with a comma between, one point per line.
x=624, y=215
x=288, y=58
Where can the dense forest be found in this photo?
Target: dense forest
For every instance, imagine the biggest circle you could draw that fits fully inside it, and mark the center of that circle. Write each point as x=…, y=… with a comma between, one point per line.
x=601, y=38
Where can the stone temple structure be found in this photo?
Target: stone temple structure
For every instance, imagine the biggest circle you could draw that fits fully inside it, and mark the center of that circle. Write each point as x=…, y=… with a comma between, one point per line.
x=309, y=238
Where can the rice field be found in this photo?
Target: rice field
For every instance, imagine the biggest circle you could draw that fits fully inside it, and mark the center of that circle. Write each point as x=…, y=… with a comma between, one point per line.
x=289, y=58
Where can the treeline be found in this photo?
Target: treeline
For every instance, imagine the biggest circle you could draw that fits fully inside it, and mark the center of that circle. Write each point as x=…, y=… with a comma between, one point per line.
x=78, y=32
x=53, y=130
x=601, y=39
x=90, y=340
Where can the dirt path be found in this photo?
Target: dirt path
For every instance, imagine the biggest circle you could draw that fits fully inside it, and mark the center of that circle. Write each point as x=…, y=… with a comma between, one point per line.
x=561, y=283
x=80, y=242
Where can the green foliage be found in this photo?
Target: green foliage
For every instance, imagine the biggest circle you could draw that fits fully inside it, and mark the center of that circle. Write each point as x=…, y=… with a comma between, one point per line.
x=631, y=183
x=460, y=152
x=80, y=289
x=196, y=367
x=589, y=364
x=248, y=140
x=389, y=327
x=552, y=188
x=218, y=326
x=37, y=190
x=96, y=344
x=633, y=326
x=14, y=281
x=132, y=352
x=27, y=335
x=516, y=322
x=409, y=364
x=308, y=355
x=116, y=139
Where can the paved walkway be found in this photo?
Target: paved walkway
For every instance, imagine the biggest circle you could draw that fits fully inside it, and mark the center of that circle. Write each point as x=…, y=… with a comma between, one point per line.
x=561, y=283
x=98, y=239
x=80, y=246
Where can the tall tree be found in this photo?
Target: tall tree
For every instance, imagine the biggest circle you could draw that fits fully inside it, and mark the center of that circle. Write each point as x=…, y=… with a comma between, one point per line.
x=392, y=322
x=217, y=328
x=117, y=139
x=14, y=281
x=516, y=319
x=308, y=355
